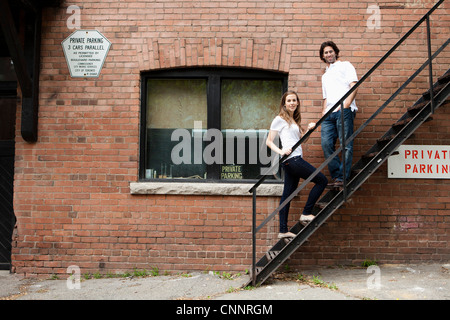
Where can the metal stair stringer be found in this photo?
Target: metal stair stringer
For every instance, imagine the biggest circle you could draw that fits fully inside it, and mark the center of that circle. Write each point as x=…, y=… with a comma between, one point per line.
x=284, y=248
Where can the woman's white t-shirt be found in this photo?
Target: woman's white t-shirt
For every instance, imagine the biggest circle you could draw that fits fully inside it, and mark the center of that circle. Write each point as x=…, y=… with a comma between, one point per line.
x=289, y=135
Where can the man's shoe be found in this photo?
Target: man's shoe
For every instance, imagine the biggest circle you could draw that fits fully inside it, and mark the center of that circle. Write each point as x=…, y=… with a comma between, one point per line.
x=305, y=219
x=338, y=184
x=286, y=235
x=331, y=184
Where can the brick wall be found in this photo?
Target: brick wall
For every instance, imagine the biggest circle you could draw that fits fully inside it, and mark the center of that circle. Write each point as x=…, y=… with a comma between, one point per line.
x=72, y=196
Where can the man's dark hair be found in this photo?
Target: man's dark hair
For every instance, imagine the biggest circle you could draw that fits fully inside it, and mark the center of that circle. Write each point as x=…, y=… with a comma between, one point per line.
x=328, y=44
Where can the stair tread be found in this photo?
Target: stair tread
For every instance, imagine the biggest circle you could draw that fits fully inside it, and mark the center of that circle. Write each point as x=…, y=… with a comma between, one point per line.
x=386, y=138
x=402, y=122
x=418, y=106
x=444, y=78
x=370, y=155
x=436, y=89
x=321, y=204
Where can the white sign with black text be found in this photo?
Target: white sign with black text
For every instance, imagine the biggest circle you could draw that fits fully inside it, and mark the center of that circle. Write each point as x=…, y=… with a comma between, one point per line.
x=420, y=162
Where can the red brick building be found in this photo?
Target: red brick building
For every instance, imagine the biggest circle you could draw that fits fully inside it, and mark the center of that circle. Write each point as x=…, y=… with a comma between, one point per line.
x=96, y=189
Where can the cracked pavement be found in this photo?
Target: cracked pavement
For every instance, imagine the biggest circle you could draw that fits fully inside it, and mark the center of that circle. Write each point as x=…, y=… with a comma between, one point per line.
x=384, y=282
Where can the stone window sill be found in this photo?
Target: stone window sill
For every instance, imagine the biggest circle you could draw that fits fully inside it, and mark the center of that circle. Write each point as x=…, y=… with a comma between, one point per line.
x=189, y=188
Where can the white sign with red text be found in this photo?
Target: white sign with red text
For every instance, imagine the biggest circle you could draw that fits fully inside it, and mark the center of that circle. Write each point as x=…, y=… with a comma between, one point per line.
x=420, y=162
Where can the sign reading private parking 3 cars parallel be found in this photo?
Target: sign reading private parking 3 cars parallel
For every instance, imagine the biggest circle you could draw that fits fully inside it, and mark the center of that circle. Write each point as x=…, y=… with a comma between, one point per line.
x=85, y=52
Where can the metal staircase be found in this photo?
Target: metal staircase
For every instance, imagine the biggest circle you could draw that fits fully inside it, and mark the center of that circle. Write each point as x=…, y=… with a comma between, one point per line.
x=413, y=118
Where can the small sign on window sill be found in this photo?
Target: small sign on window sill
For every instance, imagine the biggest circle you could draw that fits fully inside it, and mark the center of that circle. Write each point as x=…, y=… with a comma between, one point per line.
x=231, y=172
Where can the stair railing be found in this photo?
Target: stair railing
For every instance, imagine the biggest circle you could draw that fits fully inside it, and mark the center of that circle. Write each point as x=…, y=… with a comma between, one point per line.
x=345, y=141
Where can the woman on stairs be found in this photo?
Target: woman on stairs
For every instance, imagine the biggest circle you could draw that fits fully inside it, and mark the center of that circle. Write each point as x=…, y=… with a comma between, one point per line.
x=287, y=126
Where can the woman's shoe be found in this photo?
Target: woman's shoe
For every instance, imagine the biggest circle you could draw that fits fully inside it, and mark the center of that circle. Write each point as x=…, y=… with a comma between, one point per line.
x=305, y=219
x=286, y=235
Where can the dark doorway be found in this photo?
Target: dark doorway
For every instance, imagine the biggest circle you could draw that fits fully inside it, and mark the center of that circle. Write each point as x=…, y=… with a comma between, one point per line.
x=7, y=217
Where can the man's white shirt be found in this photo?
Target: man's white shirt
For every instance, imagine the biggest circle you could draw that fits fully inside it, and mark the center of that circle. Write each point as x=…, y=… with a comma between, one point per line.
x=336, y=82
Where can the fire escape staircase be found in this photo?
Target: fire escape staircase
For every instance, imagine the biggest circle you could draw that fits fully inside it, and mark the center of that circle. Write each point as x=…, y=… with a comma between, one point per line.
x=384, y=147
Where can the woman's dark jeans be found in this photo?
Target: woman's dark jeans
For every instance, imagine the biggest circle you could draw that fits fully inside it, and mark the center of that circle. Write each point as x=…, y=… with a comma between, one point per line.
x=294, y=169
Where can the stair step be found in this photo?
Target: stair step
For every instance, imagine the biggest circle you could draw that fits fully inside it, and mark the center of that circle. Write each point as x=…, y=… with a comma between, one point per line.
x=373, y=154
x=386, y=139
x=370, y=155
x=418, y=106
x=258, y=269
x=271, y=254
x=321, y=205
x=436, y=89
x=444, y=78
x=402, y=122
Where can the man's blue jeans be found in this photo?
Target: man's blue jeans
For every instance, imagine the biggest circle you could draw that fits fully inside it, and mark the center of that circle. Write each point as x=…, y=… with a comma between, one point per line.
x=294, y=169
x=331, y=130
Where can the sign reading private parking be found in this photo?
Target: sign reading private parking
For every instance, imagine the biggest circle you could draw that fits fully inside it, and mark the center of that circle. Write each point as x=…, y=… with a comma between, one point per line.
x=420, y=162
x=85, y=52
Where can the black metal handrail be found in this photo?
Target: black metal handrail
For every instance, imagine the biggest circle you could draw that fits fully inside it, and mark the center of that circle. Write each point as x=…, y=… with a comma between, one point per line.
x=340, y=103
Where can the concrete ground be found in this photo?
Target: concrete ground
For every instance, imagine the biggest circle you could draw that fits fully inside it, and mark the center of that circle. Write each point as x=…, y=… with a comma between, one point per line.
x=386, y=282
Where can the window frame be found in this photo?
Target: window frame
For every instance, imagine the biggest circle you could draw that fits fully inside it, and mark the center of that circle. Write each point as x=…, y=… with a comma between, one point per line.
x=213, y=76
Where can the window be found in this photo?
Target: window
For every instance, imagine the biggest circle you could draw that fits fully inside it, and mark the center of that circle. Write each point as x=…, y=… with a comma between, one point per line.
x=207, y=124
